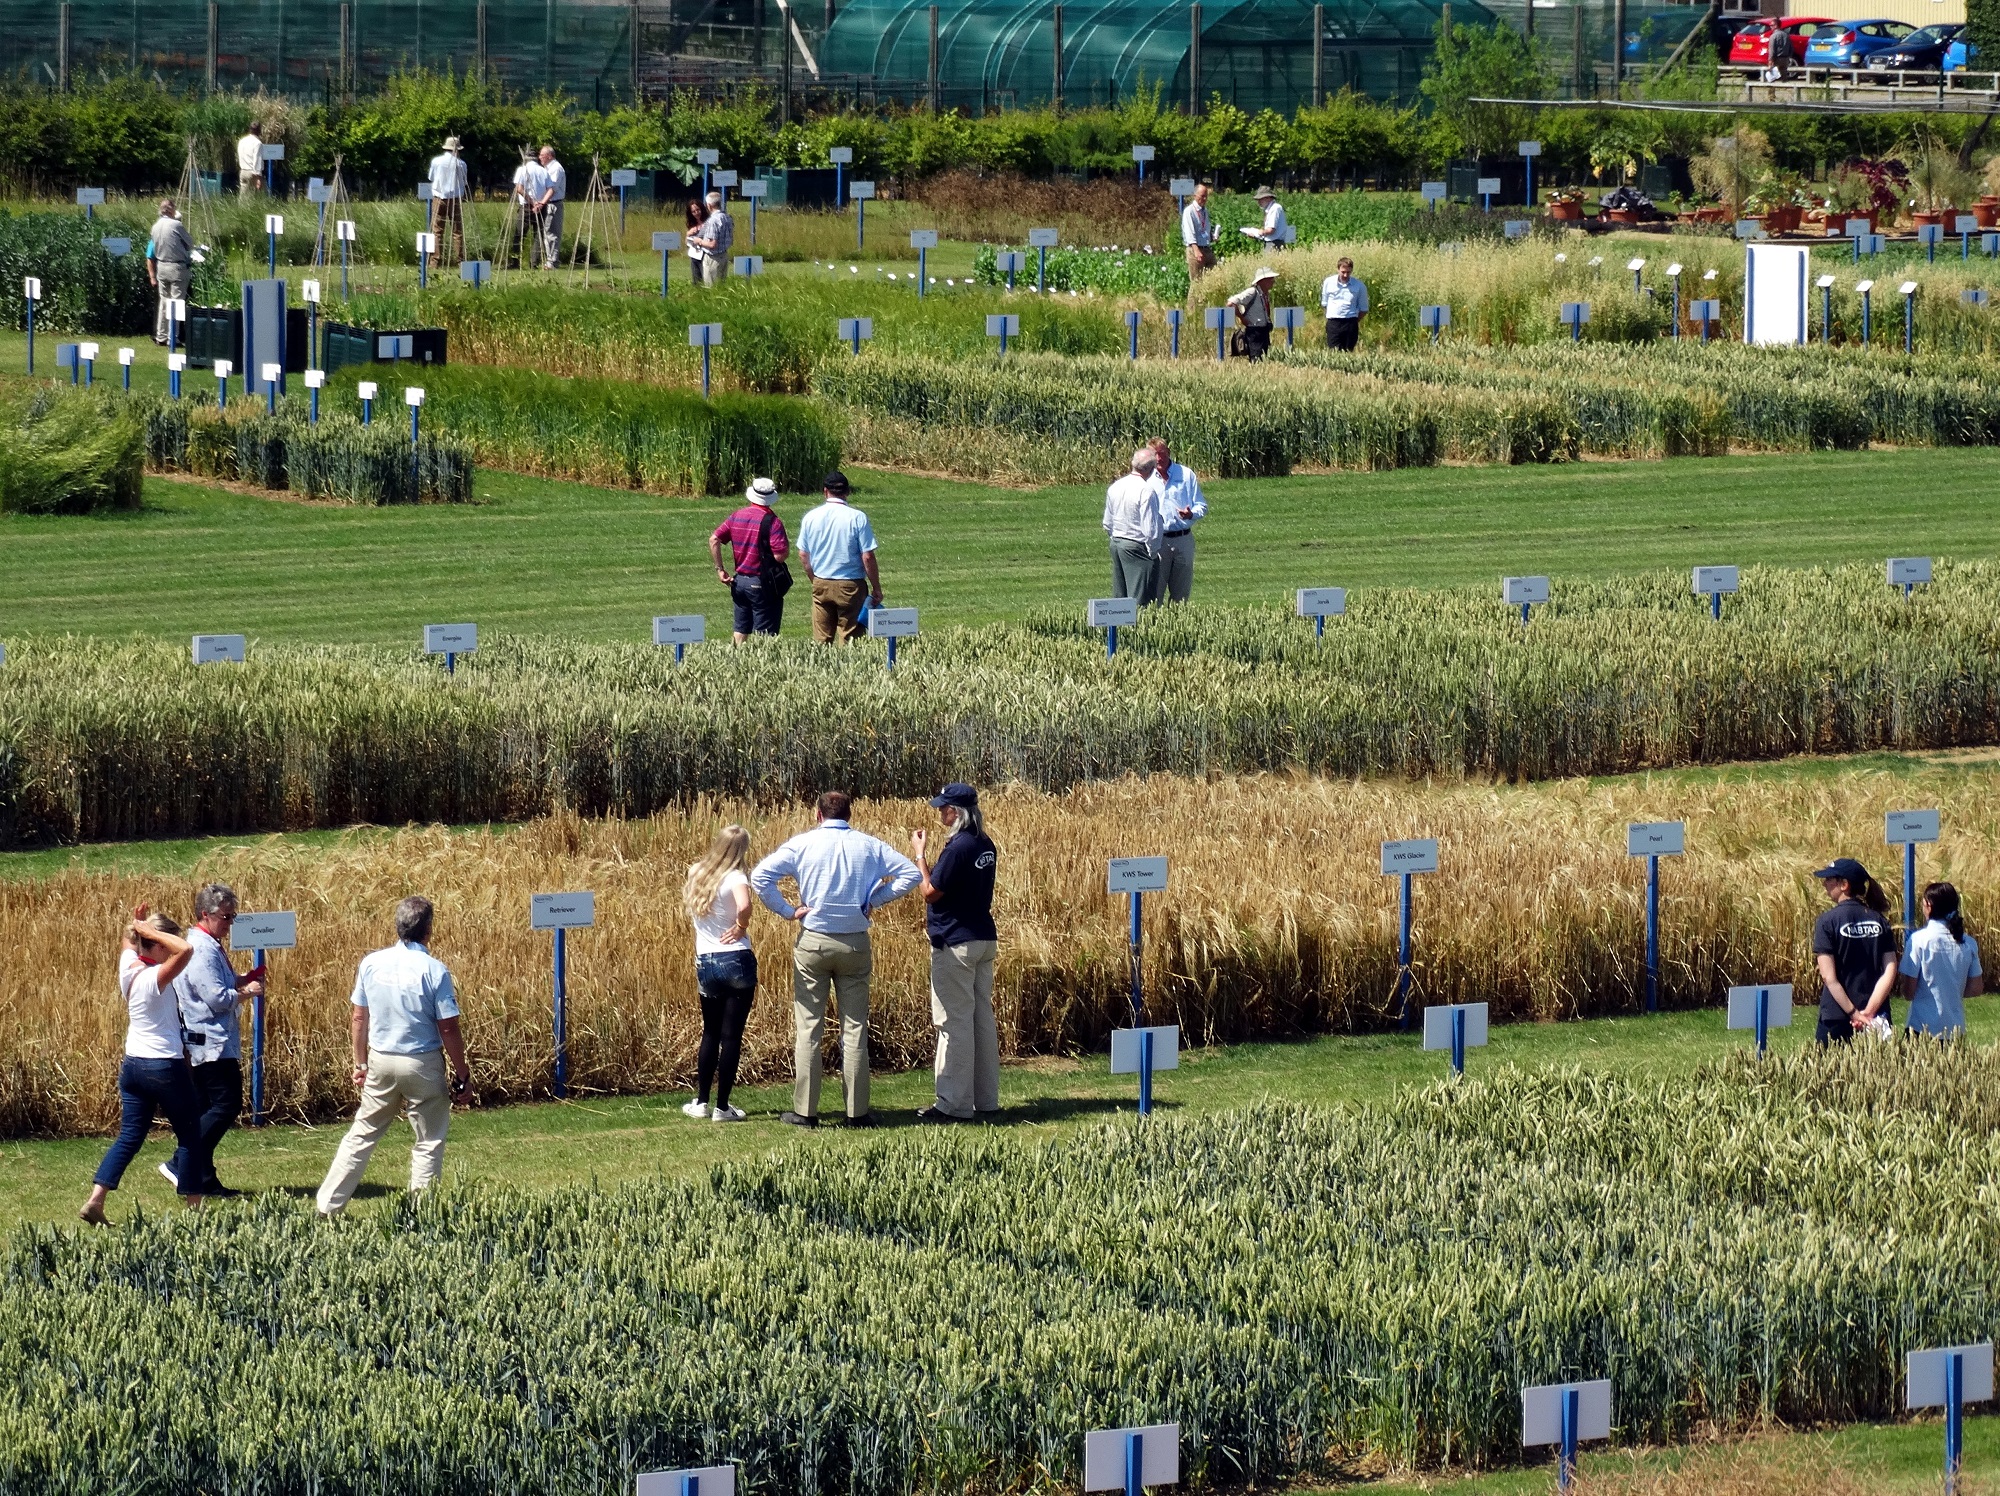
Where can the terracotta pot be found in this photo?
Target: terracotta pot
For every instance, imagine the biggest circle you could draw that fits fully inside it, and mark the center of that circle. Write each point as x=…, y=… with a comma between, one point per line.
x=1985, y=213
x=1566, y=212
x=1711, y=215
x=1622, y=215
x=1928, y=220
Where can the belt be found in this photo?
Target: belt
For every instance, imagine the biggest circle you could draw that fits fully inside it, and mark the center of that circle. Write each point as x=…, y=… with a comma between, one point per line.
x=1170, y=534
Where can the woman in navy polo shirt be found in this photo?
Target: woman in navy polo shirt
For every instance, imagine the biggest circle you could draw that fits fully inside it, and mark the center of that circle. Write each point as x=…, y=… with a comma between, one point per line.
x=959, y=893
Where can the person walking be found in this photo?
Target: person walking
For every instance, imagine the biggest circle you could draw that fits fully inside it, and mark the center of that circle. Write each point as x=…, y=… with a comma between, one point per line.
x=1132, y=521
x=405, y=1024
x=1198, y=234
x=169, y=261
x=718, y=236
x=1252, y=306
x=843, y=877
x=1275, y=232
x=756, y=574
x=1855, y=950
x=449, y=185
x=529, y=180
x=153, y=1076
x=959, y=893
x=1940, y=967
x=716, y=897
x=1346, y=302
x=1178, y=492
x=210, y=994
x=250, y=162
x=837, y=549
x=549, y=206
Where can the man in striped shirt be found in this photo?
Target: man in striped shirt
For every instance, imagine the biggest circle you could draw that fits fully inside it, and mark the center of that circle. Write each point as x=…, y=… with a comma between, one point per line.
x=755, y=574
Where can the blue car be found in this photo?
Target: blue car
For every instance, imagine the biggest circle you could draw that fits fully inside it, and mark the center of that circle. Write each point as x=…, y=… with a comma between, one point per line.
x=1920, y=51
x=1958, y=56
x=1848, y=44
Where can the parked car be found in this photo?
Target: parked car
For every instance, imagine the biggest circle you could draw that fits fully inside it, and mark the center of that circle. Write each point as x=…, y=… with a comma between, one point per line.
x=1958, y=56
x=1849, y=44
x=1922, y=50
x=1751, y=46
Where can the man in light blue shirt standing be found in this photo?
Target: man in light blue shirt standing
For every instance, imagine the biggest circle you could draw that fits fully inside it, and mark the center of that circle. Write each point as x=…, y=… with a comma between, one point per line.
x=1178, y=492
x=837, y=547
x=843, y=877
x=1346, y=302
x=405, y=1023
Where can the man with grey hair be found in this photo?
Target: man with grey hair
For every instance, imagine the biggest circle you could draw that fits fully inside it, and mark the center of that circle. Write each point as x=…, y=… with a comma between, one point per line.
x=1132, y=520
x=169, y=258
x=405, y=1024
x=552, y=190
x=717, y=237
x=210, y=994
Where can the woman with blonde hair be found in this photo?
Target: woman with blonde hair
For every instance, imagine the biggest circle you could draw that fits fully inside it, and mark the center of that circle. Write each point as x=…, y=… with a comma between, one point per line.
x=717, y=900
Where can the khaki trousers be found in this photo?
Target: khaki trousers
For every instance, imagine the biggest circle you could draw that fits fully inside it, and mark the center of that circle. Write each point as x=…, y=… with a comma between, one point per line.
x=173, y=279
x=412, y=1084
x=448, y=213
x=841, y=965
x=837, y=610
x=968, y=1044
x=1200, y=258
x=550, y=224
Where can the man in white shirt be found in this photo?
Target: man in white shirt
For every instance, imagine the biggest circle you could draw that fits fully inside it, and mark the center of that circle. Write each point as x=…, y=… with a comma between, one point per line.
x=1132, y=520
x=1276, y=232
x=549, y=206
x=1198, y=234
x=448, y=187
x=1346, y=301
x=529, y=182
x=250, y=163
x=1178, y=492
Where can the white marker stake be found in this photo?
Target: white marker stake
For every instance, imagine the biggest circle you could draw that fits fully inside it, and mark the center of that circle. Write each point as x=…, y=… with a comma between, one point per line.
x=216, y=649
x=892, y=624
x=1138, y=876
x=1320, y=604
x=1130, y=1459
x=854, y=331
x=1456, y=1027
x=451, y=640
x=1403, y=860
x=709, y=1480
x=562, y=912
x=1108, y=613
x=705, y=336
x=1712, y=582
x=1564, y=1415
x=261, y=933
x=1950, y=1378
x=923, y=241
x=1909, y=572
x=1653, y=840
x=1905, y=828
x=680, y=630
x=1762, y=1009
x=1041, y=241
x=1524, y=593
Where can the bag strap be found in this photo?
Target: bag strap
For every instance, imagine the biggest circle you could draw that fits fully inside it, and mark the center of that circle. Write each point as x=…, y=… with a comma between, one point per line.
x=766, y=561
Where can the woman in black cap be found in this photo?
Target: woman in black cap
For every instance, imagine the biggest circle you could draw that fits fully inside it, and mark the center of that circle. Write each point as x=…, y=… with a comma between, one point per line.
x=959, y=893
x=1856, y=951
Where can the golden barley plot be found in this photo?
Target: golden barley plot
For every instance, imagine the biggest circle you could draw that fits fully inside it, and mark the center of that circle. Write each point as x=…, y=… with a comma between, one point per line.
x=1278, y=922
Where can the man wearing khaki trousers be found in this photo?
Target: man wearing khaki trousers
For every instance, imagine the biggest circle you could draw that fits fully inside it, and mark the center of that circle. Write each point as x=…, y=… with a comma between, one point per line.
x=405, y=1023
x=959, y=891
x=843, y=876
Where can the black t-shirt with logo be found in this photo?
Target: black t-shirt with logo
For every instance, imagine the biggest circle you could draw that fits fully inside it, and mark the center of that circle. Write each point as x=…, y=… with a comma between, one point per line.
x=963, y=876
x=1859, y=940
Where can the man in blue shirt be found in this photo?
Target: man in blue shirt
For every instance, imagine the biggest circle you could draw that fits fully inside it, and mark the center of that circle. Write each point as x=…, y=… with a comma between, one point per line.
x=209, y=993
x=405, y=1023
x=959, y=891
x=837, y=547
x=843, y=877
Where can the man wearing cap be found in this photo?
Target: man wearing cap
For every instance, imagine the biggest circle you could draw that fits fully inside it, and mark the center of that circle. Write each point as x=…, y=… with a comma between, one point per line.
x=1273, y=234
x=1198, y=235
x=1132, y=520
x=1345, y=300
x=1855, y=950
x=1178, y=492
x=959, y=893
x=1253, y=315
x=755, y=574
x=549, y=205
x=837, y=549
x=716, y=239
x=169, y=256
x=448, y=188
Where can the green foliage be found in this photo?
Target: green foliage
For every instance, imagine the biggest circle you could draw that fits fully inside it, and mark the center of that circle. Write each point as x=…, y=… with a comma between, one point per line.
x=1493, y=62
x=70, y=453
x=338, y=459
x=122, y=134
x=1982, y=24
x=83, y=288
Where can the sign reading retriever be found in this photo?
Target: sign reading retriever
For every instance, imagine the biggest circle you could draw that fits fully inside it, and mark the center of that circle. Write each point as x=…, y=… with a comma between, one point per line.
x=562, y=911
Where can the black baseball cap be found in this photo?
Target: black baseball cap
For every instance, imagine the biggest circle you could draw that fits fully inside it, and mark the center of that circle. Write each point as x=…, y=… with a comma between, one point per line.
x=835, y=483
x=964, y=796
x=1844, y=867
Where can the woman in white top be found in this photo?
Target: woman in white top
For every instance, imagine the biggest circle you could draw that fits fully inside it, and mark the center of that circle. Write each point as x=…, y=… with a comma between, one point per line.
x=1940, y=967
x=717, y=899
x=154, y=1076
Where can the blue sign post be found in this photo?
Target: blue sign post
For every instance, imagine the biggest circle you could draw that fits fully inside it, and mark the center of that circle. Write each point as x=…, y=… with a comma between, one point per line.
x=1434, y=318
x=1132, y=337
x=1108, y=613
x=1950, y=1377
x=561, y=913
x=1403, y=860
x=1010, y=262
x=1041, y=241
x=1565, y=1414
x=1529, y=149
x=1930, y=235
x=860, y=192
x=1712, y=582
x=666, y=246
x=365, y=390
x=1174, y=318
x=1456, y=1027
x=1003, y=325
x=1574, y=315
x=1707, y=311
x=343, y=230
x=1909, y=572
x=854, y=331
x=1217, y=318
x=1524, y=593
x=31, y=287
x=705, y=336
x=923, y=241
x=261, y=933
x=1905, y=828
x=1865, y=287
x=1653, y=840
x=1131, y=1459
x=1320, y=604
x=842, y=156
x=1909, y=294
x=1761, y=1009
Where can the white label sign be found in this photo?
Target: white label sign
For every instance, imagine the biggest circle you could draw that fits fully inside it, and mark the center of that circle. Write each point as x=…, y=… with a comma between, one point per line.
x=1778, y=1006
x=274, y=223
x=1529, y=148
x=749, y=264
x=1416, y=855
x=998, y=323
x=1181, y=187
x=365, y=390
x=413, y=395
x=317, y=191
x=710, y=1480
x=1110, y=612
x=840, y=155
x=1159, y=1456
x=423, y=192
x=87, y=352
x=1927, y=1373
x=1433, y=192
x=90, y=197
x=704, y=334
x=680, y=628
x=177, y=363
x=624, y=177
x=562, y=911
x=1519, y=590
x=1437, y=1025
x=856, y=327
x=127, y=355
x=1322, y=602
x=1488, y=186
x=723, y=178
x=214, y=649
x=309, y=292
x=1656, y=838
x=117, y=246
x=666, y=244
x=1900, y=826
x=1541, y=1412
x=861, y=191
x=755, y=187
x=1143, y=153
x=315, y=379
x=892, y=623
x=1713, y=579
x=223, y=368
x=427, y=244
x=923, y=238
x=343, y=228
x=1909, y=571
x=1042, y=238
x=396, y=345
x=271, y=152
x=31, y=287
x=1136, y=875
x=272, y=373
x=1127, y=1043
x=451, y=638
x=264, y=932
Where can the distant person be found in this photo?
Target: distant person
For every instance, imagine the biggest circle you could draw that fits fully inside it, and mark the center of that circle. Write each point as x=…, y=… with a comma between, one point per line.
x=529, y=181
x=210, y=994
x=153, y=1077
x=716, y=897
x=449, y=184
x=250, y=162
x=1253, y=315
x=718, y=236
x=843, y=877
x=1274, y=231
x=1178, y=492
x=755, y=574
x=169, y=264
x=405, y=1024
x=549, y=206
x=1940, y=968
x=1855, y=950
x=964, y=941
x=697, y=215
x=837, y=549
x=1132, y=521
x=1198, y=235
x=1346, y=302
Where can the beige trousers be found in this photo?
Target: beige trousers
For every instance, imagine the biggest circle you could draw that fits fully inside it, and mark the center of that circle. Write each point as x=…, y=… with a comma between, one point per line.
x=840, y=965
x=412, y=1084
x=968, y=1044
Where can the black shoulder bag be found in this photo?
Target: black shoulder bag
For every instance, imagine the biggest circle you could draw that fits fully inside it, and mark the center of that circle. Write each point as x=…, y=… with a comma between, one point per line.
x=777, y=576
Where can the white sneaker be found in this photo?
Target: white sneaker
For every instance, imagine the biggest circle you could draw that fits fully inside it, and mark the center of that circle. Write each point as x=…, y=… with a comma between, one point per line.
x=725, y=1113
x=170, y=1176
x=696, y=1109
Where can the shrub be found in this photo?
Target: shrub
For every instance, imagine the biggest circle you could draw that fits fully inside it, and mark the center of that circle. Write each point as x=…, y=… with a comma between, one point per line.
x=69, y=453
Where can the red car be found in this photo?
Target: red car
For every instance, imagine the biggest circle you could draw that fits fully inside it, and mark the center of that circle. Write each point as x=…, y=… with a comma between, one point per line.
x=1751, y=47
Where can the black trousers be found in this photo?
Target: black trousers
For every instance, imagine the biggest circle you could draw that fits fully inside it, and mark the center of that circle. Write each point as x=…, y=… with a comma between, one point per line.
x=759, y=610
x=219, y=1087
x=1343, y=333
x=1835, y=1031
x=728, y=983
x=1254, y=342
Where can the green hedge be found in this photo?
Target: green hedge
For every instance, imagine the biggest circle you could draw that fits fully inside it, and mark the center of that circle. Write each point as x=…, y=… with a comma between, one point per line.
x=84, y=289
x=68, y=452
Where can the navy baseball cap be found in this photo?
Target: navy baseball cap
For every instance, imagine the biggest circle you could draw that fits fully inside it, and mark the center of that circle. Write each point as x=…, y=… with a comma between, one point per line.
x=964, y=796
x=1844, y=867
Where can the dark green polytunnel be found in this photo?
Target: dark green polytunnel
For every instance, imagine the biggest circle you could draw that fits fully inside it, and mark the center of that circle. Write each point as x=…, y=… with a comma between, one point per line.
x=1000, y=54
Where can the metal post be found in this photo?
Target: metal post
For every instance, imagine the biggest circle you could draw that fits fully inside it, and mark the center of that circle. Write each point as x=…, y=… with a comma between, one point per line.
x=1132, y=342
x=680, y=654
x=450, y=663
x=367, y=412
x=1135, y=1445
x=63, y=45
x=1403, y=955
x=272, y=236
x=416, y=459
x=346, y=245
x=1174, y=333
x=1056, y=45
x=1221, y=353
x=1652, y=934
x=892, y=653
x=704, y=364
x=1617, y=48
x=214, y=39
x=1458, y=1040
x=665, y=256
x=1319, y=56
x=1909, y=323
x=1194, y=59
x=347, y=48
x=1145, y=1110
x=1319, y=627
x=31, y=333
x=1763, y=1020
x=1524, y=614
x=1111, y=642
x=860, y=223
x=1572, y=1399
x=1041, y=267
x=1576, y=51
x=1138, y=995
x=923, y=274
x=934, y=94
x=480, y=22
x=127, y=368
x=314, y=392
x=1909, y=888
x=1954, y=1421
x=1864, y=319
x=1825, y=315
x=562, y=1015
x=257, y=1054
x=271, y=396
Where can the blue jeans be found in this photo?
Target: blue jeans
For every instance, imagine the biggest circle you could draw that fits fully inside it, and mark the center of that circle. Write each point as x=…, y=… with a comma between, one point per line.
x=147, y=1088
x=728, y=981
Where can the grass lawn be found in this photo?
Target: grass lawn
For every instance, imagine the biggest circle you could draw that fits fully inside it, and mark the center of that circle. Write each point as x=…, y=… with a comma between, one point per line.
x=541, y=556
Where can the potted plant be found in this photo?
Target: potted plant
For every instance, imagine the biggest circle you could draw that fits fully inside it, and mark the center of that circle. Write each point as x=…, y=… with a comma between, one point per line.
x=1566, y=205
x=1938, y=183
x=1987, y=208
x=1733, y=167
x=1849, y=194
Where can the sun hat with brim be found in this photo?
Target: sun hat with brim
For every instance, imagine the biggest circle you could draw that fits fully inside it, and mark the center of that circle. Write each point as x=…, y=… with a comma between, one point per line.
x=1844, y=867
x=964, y=796
x=1266, y=274
x=451, y=142
x=761, y=491
x=1263, y=192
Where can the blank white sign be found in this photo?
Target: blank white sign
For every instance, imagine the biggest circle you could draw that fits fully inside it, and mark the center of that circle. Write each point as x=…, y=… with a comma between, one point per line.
x=1142, y=153
x=704, y=334
x=681, y=628
x=1416, y=855
x=562, y=911
x=1181, y=187
x=90, y=197
x=1927, y=1371
x=1322, y=602
x=1126, y=1044
x=1136, y=875
x=451, y=638
x=1109, y=612
x=998, y=323
x=264, y=932
x=1909, y=571
x=851, y=328
x=624, y=177
x=1656, y=838
x=343, y=228
x=1743, y=1006
x=271, y=152
x=840, y=155
x=1519, y=590
x=666, y=244
x=1900, y=826
x=274, y=223
x=892, y=623
x=1541, y=1412
x=396, y=345
x=213, y=649
x=1775, y=277
x=923, y=238
x=1437, y=1025
x=1433, y=192
x=749, y=264
x=707, y=155
x=861, y=191
x=723, y=178
x=1042, y=238
x=1159, y=1456
x=755, y=187
x=710, y=1480
x=1488, y=186
x=1710, y=579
